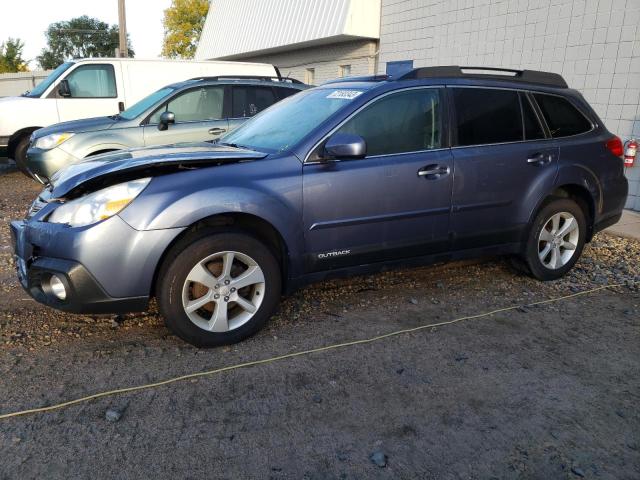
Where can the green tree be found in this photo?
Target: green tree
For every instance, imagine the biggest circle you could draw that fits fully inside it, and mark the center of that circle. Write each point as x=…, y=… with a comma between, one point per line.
x=11, y=56
x=183, y=22
x=81, y=37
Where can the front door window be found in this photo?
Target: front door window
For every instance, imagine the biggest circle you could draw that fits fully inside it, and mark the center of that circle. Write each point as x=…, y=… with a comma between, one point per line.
x=92, y=81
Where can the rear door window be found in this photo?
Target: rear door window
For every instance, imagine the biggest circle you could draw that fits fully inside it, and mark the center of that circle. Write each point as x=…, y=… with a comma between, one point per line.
x=486, y=116
x=247, y=101
x=563, y=119
x=407, y=121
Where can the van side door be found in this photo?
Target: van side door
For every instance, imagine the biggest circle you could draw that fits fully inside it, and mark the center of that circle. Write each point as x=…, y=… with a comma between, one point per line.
x=94, y=90
x=198, y=114
x=504, y=163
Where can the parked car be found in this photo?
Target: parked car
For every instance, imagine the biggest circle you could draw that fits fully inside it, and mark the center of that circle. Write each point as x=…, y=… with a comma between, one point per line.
x=191, y=111
x=98, y=86
x=441, y=163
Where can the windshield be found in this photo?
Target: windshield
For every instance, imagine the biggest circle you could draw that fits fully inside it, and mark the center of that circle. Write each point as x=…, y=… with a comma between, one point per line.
x=283, y=125
x=140, y=107
x=46, y=83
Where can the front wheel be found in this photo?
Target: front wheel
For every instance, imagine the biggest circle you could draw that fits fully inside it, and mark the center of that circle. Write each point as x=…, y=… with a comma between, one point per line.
x=556, y=239
x=20, y=155
x=218, y=288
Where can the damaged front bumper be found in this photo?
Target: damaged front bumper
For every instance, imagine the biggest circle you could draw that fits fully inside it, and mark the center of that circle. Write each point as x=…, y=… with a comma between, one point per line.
x=105, y=268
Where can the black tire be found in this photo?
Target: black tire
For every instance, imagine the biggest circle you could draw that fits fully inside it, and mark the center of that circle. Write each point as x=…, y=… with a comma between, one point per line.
x=20, y=155
x=554, y=206
x=184, y=256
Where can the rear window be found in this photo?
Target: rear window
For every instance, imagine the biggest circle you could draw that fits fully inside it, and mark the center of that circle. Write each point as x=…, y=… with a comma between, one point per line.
x=486, y=116
x=562, y=117
x=284, y=92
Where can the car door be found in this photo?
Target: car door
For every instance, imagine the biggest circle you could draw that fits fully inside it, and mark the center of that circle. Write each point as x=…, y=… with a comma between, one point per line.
x=198, y=117
x=247, y=101
x=93, y=92
x=502, y=160
x=395, y=202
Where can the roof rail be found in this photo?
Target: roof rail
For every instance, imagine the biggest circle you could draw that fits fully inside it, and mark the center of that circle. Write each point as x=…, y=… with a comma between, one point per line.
x=250, y=77
x=493, y=73
x=365, y=78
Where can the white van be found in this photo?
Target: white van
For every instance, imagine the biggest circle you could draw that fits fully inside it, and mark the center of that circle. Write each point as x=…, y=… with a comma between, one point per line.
x=100, y=86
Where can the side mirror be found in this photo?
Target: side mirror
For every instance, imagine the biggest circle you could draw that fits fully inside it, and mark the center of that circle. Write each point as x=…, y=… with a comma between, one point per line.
x=63, y=89
x=166, y=119
x=345, y=145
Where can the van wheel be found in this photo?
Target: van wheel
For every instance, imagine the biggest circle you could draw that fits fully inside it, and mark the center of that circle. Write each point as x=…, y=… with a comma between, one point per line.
x=556, y=239
x=218, y=288
x=20, y=155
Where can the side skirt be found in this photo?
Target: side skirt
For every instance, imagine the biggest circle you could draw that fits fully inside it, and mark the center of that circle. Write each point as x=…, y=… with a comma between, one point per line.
x=418, y=261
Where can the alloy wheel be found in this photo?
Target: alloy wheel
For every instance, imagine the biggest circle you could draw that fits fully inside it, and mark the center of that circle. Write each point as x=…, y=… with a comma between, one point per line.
x=558, y=240
x=223, y=291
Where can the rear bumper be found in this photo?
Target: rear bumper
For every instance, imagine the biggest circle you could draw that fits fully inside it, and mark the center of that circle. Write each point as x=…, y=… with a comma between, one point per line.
x=607, y=222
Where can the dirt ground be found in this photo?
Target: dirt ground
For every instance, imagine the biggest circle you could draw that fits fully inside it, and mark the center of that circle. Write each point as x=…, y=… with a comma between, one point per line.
x=548, y=392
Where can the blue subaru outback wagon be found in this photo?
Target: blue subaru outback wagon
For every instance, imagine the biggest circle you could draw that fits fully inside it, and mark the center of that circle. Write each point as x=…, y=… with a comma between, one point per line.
x=440, y=163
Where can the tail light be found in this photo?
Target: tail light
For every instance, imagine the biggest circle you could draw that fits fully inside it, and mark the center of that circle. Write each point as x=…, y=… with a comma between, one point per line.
x=614, y=145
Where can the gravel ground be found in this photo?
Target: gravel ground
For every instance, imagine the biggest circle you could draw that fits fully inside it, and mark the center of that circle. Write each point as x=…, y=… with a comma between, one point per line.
x=540, y=392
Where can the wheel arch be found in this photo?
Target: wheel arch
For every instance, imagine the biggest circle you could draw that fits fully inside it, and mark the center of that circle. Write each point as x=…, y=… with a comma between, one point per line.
x=101, y=151
x=242, y=222
x=581, y=195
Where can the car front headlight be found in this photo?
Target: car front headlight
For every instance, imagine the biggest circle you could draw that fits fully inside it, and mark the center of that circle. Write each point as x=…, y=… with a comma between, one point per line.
x=98, y=205
x=50, y=141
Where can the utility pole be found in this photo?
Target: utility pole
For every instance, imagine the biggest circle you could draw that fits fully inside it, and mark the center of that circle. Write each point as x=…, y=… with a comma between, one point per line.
x=122, y=26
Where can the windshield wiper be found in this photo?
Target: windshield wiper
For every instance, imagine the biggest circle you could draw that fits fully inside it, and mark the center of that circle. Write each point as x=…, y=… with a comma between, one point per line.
x=115, y=117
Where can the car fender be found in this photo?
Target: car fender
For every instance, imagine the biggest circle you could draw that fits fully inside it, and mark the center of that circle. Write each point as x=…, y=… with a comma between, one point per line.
x=103, y=147
x=155, y=210
x=582, y=176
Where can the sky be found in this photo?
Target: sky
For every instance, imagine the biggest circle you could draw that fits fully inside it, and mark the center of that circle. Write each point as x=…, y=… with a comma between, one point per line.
x=29, y=21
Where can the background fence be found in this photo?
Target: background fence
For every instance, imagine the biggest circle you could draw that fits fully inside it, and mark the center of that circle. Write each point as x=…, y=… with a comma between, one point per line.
x=18, y=83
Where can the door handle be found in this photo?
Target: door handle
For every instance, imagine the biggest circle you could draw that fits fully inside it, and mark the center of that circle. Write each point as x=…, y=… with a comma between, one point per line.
x=434, y=171
x=540, y=159
x=217, y=131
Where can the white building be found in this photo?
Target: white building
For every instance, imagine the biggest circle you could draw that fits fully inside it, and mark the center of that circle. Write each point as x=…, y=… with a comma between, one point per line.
x=594, y=44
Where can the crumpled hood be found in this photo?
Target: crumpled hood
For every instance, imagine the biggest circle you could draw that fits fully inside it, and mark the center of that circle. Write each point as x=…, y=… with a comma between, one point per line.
x=77, y=126
x=96, y=170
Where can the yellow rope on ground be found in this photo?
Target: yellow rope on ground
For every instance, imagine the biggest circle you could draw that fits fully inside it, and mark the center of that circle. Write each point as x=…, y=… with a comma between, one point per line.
x=292, y=355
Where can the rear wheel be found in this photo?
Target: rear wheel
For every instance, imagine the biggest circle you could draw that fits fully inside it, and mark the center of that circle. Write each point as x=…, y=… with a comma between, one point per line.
x=556, y=239
x=217, y=289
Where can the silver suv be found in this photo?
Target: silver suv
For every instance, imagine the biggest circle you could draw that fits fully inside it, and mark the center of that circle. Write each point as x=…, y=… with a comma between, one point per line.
x=196, y=110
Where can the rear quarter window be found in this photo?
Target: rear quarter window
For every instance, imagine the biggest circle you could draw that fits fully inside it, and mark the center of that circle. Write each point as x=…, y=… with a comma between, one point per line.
x=562, y=117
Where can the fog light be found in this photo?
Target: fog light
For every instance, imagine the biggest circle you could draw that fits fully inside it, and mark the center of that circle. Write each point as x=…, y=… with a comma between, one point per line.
x=57, y=287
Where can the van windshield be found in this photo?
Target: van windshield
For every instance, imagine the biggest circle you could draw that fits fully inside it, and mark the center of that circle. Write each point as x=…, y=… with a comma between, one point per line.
x=286, y=123
x=147, y=102
x=46, y=83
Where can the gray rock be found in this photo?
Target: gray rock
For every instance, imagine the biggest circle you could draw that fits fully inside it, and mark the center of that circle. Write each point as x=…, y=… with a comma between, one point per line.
x=317, y=398
x=113, y=414
x=577, y=471
x=378, y=458
x=413, y=301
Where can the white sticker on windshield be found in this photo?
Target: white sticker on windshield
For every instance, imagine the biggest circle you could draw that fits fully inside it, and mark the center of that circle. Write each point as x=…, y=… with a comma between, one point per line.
x=344, y=94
